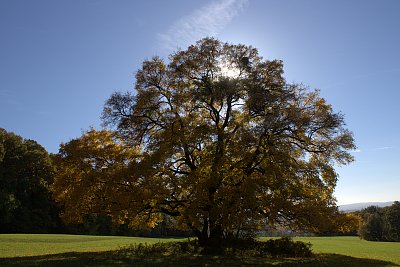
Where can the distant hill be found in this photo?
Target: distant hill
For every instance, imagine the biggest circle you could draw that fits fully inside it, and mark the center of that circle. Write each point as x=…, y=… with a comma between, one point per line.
x=360, y=206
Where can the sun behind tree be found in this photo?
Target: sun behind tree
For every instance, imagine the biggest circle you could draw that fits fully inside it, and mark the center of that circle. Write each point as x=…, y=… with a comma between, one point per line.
x=215, y=138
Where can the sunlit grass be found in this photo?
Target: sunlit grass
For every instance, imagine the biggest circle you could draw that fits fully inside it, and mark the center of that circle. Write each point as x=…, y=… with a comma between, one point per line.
x=355, y=247
x=18, y=245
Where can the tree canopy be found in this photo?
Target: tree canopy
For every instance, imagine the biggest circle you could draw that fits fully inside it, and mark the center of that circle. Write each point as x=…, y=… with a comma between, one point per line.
x=216, y=138
x=381, y=224
x=26, y=173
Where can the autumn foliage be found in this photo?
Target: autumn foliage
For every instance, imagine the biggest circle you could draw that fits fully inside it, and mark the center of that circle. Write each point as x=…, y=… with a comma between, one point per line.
x=215, y=138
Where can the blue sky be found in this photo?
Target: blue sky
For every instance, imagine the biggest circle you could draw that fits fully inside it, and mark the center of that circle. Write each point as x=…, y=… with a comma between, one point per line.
x=60, y=60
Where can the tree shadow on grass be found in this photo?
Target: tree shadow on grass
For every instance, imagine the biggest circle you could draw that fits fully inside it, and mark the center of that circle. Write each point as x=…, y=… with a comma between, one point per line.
x=113, y=258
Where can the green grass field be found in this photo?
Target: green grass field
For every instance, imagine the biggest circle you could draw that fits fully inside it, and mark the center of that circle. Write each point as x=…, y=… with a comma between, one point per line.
x=20, y=245
x=354, y=247
x=69, y=250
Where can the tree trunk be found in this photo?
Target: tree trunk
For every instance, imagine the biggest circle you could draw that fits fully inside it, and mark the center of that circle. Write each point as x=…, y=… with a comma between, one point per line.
x=211, y=236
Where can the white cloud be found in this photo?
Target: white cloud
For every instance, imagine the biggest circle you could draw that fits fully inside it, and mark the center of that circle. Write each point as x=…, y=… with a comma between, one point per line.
x=356, y=151
x=207, y=21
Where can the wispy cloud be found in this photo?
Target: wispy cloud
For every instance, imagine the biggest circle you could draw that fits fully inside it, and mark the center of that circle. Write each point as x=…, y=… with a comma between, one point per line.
x=5, y=92
x=209, y=20
x=383, y=148
x=363, y=76
x=371, y=149
x=9, y=98
x=43, y=113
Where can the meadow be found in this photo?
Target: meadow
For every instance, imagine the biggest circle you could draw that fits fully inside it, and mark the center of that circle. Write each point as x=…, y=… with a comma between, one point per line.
x=70, y=250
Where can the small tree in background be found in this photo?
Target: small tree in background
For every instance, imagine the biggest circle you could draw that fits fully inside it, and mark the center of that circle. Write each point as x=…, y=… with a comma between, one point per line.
x=215, y=138
x=26, y=173
x=372, y=228
x=381, y=224
x=392, y=222
x=347, y=223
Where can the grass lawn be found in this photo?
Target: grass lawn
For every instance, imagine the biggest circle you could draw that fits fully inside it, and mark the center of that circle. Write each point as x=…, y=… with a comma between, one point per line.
x=67, y=250
x=21, y=245
x=355, y=247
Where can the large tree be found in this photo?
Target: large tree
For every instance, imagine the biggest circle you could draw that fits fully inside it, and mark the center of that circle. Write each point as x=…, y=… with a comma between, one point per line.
x=216, y=138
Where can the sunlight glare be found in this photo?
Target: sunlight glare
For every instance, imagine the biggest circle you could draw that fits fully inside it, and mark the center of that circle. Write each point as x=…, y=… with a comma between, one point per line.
x=229, y=70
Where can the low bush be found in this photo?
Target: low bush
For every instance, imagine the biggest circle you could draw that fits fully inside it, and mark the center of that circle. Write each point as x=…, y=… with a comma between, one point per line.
x=162, y=248
x=283, y=247
x=286, y=247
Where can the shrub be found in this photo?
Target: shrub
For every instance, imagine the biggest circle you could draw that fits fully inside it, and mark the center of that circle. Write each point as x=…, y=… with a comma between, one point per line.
x=161, y=248
x=283, y=247
x=286, y=247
